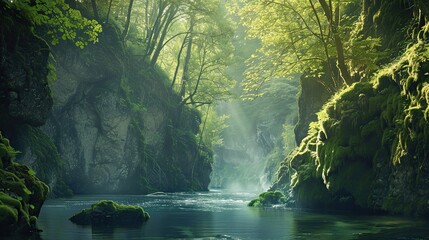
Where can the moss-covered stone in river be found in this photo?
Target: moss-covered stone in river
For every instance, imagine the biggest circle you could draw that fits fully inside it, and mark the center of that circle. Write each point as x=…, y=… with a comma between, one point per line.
x=108, y=212
x=268, y=199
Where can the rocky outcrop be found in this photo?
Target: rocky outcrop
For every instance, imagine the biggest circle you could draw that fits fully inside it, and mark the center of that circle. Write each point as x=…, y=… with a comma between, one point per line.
x=24, y=99
x=311, y=98
x=25, y=96
x=24, y=92
x=21, y=193
x=118, y=128
x=268, y=199
x=368, y=149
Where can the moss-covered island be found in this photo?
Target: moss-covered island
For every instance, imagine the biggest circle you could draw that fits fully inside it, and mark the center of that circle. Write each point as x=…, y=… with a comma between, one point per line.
x=267, y=199
x=110, y=213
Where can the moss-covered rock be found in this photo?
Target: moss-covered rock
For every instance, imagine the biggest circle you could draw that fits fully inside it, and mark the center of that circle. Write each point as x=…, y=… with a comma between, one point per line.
x=369, y=147
x=21, y=193
x=110, y=213
x=268, y=199
x=25, y=96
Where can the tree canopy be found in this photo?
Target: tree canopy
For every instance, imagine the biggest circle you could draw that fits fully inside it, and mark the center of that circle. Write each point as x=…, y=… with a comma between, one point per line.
x=60, y=22
x=317, y=37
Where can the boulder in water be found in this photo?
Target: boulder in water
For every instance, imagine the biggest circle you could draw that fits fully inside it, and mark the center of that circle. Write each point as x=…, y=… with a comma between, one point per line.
x=108, y=212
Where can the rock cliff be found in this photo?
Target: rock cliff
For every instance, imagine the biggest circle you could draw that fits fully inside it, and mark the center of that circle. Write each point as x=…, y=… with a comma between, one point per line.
x=118, y=127
x=115, y=126
x=368, y=149
x=24, y=99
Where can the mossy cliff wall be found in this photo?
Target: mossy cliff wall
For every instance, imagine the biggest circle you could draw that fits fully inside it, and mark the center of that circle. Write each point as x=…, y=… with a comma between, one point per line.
x=24, y=99
x=21, y=193
x=369, y=147
x=24, y=91
x=118, y=127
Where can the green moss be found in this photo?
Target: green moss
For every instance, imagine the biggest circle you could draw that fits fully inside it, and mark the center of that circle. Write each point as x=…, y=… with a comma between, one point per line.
x=21, y=194
x=108, y=212
x=268, y=199
x=8, y=217
x=369, y=146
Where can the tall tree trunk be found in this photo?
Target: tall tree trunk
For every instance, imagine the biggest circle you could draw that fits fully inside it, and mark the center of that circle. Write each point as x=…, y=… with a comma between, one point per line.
x=200, y=75
x=94, y=9
x=185, y=75
x=108, y=11
x=127, y=22
x=333, y=19
x=169, y=18
x=158, y=27
x=336, y=82
x=200, y=142
x=179, y=56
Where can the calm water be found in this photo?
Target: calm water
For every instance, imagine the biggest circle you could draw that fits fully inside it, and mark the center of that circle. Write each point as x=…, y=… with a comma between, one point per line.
x=222, y=215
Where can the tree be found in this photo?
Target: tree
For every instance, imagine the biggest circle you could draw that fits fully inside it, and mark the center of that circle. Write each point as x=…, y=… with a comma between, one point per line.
x=190, y=39
x=94, y=9
x=127, y=22
x=332, y=14
x=108, y=10
x=59, y=21
x=302, y=35
x=209, y=46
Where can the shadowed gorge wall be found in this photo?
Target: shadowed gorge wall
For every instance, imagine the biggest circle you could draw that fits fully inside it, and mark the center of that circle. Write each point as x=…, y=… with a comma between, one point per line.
x=116, y=125
x=24, y=99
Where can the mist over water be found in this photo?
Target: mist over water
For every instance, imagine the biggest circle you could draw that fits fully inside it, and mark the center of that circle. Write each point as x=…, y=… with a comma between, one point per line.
x=258, y=137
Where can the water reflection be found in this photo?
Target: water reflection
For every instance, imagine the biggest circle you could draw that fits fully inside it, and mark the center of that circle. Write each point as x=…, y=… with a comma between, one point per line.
x=219, y=215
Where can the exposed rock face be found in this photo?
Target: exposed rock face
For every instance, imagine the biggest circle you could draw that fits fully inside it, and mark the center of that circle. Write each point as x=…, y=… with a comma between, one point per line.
x=24, y=99
x=311, y=99
x=368, y=149
x=116, y=125
x=24, y=91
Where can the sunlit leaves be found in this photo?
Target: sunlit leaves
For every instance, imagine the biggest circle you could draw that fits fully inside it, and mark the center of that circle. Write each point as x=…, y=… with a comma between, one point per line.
x=61, y=22
x=212, y=127
x=296, y=37
x=290, y=40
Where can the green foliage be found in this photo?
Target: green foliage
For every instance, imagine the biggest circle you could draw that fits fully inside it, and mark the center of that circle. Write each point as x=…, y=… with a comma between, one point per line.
x=211, y=128
x=60, y=21
x=296, y=37
x=6, y=151
x=268, y=199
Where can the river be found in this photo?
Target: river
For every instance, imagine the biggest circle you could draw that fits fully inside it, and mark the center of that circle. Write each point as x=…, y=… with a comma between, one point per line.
x=222, y=215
